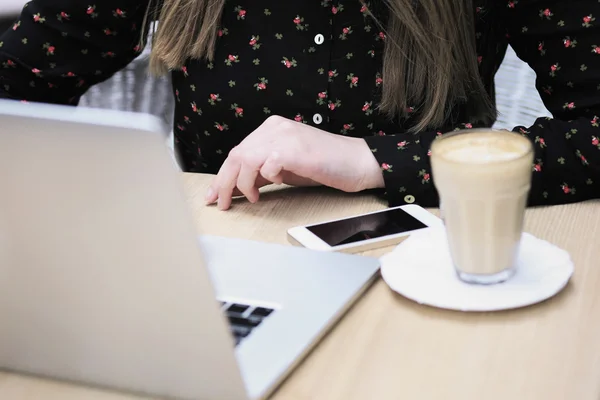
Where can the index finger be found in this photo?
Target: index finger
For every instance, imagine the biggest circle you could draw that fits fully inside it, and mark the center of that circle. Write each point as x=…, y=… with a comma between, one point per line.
x=222, y=187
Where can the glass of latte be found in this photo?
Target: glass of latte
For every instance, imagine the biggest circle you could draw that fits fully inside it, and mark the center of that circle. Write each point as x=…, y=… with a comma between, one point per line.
x=483, y=177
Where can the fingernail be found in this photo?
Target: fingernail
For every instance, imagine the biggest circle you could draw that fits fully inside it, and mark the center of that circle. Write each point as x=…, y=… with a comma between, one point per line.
x=209, y=195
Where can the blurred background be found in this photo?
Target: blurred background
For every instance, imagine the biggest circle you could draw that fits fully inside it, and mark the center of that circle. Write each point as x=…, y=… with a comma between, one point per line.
x=133, y=90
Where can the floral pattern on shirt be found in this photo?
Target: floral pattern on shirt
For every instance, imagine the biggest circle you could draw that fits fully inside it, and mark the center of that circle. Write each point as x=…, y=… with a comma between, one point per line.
x=320, y=63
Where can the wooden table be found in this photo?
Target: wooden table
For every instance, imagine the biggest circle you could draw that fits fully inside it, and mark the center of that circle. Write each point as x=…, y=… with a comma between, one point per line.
x=387, y=347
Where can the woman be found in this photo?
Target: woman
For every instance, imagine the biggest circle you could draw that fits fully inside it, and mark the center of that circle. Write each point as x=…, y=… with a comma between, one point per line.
x=343, y=93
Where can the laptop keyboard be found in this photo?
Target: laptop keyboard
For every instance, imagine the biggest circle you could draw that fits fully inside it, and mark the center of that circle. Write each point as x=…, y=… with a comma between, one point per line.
x=244, y=318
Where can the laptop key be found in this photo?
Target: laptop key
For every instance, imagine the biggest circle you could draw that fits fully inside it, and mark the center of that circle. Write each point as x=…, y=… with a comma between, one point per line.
x=240, y=331
x=247, y=322
x=261, y=312
x=237, y=308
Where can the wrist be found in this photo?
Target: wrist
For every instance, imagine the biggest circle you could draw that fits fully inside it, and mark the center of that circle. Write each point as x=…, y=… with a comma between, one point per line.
x=372, y=176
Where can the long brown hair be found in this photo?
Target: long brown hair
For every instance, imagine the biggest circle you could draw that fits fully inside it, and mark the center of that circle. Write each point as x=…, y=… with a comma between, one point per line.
x=429, y=63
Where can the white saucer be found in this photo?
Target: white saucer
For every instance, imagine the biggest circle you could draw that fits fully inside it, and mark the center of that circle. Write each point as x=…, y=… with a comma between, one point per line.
x=421, y=270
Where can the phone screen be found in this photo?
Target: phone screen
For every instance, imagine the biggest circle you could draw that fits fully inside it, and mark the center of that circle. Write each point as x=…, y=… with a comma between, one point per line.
x=364, y=227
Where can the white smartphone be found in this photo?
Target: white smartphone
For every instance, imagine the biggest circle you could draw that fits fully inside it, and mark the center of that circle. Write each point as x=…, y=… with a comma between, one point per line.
x=364, y=232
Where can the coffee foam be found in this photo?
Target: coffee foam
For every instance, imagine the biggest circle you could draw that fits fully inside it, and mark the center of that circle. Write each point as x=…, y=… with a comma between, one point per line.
x=483, y=147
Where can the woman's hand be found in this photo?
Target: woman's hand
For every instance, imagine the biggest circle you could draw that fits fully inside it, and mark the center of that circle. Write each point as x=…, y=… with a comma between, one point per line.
x=285, y=151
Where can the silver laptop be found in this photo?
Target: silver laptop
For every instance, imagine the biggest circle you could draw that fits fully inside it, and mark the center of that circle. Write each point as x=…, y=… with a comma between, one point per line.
x=104, y=281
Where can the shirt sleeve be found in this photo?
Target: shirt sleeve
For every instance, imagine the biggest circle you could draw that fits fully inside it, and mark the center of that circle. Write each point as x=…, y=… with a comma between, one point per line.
x=57, y=49
x=561, y=41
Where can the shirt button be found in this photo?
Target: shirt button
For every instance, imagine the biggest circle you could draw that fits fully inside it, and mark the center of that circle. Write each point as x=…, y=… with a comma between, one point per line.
x=319, y=39
x=317, y=119
x=409, y=198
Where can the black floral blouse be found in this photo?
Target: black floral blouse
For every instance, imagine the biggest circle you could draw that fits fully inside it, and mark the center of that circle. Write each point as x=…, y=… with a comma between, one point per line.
x=319, y=62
